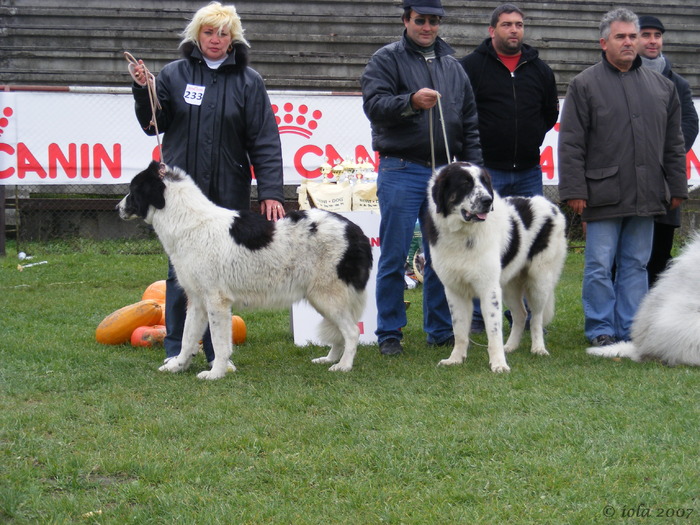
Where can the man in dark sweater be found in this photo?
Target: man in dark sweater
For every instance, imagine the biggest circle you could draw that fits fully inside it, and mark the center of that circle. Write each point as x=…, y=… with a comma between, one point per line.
x=649, y=47
x=516, y=98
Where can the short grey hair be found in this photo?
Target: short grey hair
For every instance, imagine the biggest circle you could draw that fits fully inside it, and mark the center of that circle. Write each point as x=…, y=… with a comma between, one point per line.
x=620, y=14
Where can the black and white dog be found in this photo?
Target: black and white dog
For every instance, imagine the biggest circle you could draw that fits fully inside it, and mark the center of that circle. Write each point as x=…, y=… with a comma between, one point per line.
x=226, y=258
x=667, y=325
x=493, y=248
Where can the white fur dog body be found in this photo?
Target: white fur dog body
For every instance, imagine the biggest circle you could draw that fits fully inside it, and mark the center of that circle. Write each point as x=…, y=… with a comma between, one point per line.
x=667, y=325
x=224, y=258
x=500, y=250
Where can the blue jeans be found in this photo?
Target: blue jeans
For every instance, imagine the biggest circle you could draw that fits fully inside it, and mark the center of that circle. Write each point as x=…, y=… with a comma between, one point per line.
x=524, y=183
x=608, y=306
x=175, y=313
x=402, y=193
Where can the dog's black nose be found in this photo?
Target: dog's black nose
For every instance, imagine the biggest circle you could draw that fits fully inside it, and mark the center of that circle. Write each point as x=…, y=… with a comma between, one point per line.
x=486, y=201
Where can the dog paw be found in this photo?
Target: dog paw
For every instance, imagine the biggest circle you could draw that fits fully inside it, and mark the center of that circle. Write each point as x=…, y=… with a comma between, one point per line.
x=340, y=368
x=450, y=362
x=509, y=349
x=172, y=366
x=500, y=369
x=321, y=361
x=539, y=351
x=210, y=375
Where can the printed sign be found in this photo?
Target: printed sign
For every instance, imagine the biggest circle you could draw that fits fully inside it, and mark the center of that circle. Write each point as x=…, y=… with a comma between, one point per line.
x=49, y=137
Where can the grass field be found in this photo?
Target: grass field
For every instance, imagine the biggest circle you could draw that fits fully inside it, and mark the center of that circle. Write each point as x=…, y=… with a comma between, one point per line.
x=94, y=434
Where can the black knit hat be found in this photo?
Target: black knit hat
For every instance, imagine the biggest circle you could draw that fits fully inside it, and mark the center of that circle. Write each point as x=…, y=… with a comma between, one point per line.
x=646, y=21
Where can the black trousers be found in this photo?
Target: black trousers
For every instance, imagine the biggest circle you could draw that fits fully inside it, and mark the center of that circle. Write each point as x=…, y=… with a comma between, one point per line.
x=660, y=250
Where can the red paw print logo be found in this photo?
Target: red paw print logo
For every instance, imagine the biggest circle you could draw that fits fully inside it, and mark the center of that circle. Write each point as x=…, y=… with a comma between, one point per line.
x=4, y=120
x=298, y=121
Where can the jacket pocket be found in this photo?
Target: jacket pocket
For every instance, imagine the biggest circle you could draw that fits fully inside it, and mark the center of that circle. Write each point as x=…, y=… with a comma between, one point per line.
x=603, y=186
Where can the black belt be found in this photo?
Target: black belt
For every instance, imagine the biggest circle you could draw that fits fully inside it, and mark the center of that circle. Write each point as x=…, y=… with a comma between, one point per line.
x=424, y=163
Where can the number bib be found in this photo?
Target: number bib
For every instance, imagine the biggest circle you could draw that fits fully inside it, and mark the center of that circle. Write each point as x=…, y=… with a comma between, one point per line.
x=194, y=94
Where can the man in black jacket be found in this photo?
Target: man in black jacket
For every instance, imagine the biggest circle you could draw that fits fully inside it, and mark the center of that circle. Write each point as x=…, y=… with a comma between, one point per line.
x=516, y=98
x=401, y=86
x=649, y=46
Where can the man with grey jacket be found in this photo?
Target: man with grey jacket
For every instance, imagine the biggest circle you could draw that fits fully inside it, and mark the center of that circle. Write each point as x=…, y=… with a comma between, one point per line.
x=621, y=163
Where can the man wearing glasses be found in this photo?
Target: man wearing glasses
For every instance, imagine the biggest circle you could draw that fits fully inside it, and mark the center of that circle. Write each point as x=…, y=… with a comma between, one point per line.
x=401, y=86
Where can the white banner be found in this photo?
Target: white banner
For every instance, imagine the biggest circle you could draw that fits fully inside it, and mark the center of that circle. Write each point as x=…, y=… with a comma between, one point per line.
x=94, y=138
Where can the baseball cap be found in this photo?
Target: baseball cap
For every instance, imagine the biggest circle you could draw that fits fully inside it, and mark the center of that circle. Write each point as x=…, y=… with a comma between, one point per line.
x=425, y=7
x=651, y=22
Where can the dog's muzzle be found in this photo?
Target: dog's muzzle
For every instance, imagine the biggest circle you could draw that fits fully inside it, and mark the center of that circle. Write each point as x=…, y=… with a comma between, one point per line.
x=484, y=206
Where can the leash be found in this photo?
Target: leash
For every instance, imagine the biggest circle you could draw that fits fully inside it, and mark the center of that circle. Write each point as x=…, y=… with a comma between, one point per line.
x=150, y=83
x=444, y=132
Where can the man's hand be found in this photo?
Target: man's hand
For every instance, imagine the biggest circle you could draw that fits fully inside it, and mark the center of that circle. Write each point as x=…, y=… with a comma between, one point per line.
x=675, y=202
x=424, y=98
x=578, y=205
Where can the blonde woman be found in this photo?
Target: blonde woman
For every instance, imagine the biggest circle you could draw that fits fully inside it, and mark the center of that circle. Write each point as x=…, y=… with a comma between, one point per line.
x=217, y=122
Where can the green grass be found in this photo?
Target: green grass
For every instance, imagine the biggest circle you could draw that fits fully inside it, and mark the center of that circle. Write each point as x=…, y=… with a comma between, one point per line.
x=91, y=428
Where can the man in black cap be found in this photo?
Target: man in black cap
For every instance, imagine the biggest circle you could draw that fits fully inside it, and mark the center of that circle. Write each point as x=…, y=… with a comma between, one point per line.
x=649, y=46
x=400, y=88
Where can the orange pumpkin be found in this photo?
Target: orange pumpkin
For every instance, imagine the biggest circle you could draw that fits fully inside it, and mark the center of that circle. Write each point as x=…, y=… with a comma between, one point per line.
x=239, y=330
x=155, y=291
x=148, y=335
x=118, y=326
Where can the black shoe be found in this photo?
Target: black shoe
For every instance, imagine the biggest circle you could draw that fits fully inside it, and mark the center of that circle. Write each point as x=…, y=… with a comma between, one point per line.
x=390, y=347
x=477, y=327
x=603, y=340
x=450, y=341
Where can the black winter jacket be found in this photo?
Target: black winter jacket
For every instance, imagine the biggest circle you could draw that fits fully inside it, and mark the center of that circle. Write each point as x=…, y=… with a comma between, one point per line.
x=391, y=76
x=217, y=141
x=689, y=127
x=515, y=110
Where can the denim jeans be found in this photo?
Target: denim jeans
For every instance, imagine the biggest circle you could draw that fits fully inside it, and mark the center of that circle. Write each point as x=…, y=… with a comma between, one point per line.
x=524, y=183
x=175, y=313
x=609, y=306
x=402, y=193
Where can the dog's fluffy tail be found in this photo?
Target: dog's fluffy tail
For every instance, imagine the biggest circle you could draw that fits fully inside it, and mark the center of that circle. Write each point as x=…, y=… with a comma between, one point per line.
x=622, y=349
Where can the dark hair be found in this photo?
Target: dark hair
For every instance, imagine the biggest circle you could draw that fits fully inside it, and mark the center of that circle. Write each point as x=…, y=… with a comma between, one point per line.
x=505, y=8
x=406, y=13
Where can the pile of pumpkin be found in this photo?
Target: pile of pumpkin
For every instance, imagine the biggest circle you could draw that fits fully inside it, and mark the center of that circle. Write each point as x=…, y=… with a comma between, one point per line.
x=143, y=323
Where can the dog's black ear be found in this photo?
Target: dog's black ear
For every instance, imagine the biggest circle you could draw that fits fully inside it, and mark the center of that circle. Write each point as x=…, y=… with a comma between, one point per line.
x=154, y=169
x=148, y=189
x=440, y=195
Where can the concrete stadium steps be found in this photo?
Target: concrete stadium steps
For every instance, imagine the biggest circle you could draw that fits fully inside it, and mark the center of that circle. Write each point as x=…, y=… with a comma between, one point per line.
x=306, y=44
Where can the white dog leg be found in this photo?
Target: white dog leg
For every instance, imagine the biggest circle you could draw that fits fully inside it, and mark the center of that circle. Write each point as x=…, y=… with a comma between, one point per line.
x=195, y=324
x=221, y=338
x=351, y=334
x=493, y=319
x=513, y=297
x=343, y=334
x=462, y=309
x=537, y=334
